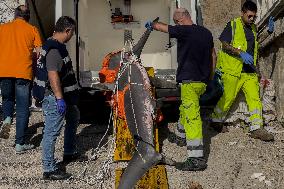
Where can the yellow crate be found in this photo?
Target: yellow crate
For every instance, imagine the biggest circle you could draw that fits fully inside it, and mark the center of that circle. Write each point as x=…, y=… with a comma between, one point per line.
x=155, y=178
x=124, y=142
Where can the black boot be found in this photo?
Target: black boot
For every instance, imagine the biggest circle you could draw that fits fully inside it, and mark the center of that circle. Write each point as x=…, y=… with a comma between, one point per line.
x=192, y=164
x=262, y=134
x=74, y=157
x=173, y=138
x=219, y=127
x=56, y=175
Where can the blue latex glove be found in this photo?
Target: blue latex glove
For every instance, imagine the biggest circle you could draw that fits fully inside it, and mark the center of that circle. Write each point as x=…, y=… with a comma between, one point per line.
x=149, y=25
x=271, y=24
x=61, y=106
x=247, y=58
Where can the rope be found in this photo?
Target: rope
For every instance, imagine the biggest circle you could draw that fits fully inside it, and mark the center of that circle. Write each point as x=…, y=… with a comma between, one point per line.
x=134, y=115
x=132, y=59
x=104, y=170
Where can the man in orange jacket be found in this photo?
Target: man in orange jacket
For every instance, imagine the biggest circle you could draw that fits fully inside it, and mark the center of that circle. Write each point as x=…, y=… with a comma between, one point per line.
x=18, y=39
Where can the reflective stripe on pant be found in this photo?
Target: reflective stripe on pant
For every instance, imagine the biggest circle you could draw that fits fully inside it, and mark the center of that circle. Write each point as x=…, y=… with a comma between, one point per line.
x=248, y=82
x=190, y=117
x=179, y=131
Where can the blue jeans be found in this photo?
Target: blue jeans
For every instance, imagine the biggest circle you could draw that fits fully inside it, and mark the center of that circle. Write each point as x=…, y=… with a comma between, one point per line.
x=16, y=89
x=53, y=125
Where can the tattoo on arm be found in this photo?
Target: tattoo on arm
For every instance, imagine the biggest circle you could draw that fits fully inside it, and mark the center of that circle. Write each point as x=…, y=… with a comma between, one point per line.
x=230, y=49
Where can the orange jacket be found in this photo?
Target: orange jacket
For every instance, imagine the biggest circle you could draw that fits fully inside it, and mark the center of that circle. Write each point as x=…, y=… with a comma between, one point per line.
x=17, y=41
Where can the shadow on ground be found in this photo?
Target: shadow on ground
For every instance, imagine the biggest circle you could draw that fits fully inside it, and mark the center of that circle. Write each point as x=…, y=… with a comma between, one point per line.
x=95, y=120
x=33, y=136
x=94, y=124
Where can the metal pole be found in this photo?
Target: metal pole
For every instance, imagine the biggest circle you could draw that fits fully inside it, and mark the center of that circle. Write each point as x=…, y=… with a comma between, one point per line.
x=58, y=9
x=76, y=3
x=38, y=19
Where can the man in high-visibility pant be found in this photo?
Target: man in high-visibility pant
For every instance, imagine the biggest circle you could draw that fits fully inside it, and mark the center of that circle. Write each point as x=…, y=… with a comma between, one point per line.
x=196, y=60
x=237, y=61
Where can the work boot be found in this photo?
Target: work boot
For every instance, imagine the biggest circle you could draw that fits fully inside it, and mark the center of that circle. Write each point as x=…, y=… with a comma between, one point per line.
x=23, y=148
x=262, y=134
x=5, y=128
x=219, y=127
x=173, y=138
x=192, y=164
x=56, y=175
x=74, y=157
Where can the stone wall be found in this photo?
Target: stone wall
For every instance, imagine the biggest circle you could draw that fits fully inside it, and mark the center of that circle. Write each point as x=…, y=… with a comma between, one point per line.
x=7, y=9
x=271, y=63
x=272, y=50
x=216, y=14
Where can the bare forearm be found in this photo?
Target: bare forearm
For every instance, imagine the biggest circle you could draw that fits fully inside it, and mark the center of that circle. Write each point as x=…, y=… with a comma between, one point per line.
x=55, y=84
x=160, y=27
x=230, y=49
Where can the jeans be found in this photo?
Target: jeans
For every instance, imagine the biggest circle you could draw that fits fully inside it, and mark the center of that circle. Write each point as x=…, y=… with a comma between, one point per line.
x=53, y=125
x=13, y=89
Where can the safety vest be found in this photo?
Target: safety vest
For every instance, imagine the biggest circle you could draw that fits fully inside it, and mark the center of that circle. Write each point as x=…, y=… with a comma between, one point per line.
x=231, y=64
x=66, y=74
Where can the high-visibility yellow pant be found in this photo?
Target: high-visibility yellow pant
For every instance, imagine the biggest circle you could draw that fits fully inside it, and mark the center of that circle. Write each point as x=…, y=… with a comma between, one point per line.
x=190, y=117
x=249, y=84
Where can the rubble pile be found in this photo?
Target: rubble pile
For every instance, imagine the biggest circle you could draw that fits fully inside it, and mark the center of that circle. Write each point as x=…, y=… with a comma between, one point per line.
x=239, y=113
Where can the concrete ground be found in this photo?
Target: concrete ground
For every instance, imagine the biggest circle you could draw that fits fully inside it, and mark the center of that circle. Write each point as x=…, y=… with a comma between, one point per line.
x=235, y=161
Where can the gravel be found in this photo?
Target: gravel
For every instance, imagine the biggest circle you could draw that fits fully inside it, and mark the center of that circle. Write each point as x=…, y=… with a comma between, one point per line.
x=234, y=160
